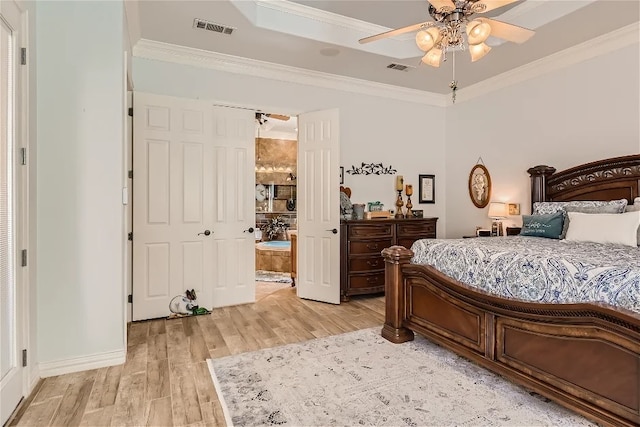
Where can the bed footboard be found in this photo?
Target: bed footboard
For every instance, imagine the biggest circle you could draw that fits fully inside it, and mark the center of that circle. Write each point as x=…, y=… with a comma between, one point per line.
x=583, y=356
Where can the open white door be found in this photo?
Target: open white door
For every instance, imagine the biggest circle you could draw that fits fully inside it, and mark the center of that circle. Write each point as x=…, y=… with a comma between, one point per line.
x=173, y=202
x=12, y=213
x=193, y=204
x=319, y=206
x=234, y=210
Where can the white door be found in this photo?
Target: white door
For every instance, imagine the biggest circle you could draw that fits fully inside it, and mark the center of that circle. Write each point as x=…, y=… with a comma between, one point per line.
x=234, y=206
x=319, y=206
x=173, y=203
x=12, y=213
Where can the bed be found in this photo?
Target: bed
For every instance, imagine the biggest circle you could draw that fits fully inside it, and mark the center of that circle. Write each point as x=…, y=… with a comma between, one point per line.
x=585, y=356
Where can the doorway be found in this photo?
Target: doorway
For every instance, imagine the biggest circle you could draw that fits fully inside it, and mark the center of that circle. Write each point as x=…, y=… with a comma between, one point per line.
x=195, y=204
x=276, y=147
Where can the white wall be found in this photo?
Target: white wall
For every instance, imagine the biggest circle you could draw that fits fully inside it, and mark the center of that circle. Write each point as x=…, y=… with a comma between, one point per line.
x=405, y=135
x=80, y=118
x=586, y=112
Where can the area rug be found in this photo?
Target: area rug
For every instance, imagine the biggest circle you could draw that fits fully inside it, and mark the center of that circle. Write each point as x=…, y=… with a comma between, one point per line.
x=272, y=276
x=359, y=378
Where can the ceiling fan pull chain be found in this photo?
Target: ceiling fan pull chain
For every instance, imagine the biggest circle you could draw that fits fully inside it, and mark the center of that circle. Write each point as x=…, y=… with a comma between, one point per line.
x=454, y=83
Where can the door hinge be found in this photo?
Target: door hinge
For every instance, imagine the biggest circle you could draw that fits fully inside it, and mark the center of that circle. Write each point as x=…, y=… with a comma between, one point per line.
x=130, y=111
x=23, y=156
x=129, y=298
x=24, y=357
x=130, y=174
x=24, y=258
x=23, y=56
x=130, y=236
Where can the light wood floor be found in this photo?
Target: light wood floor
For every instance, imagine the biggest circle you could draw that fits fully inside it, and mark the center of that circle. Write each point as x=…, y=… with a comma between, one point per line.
x=166, y=381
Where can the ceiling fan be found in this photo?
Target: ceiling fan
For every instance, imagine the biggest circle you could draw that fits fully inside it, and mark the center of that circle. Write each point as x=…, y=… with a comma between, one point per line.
x=454, y=23
x=262, y=117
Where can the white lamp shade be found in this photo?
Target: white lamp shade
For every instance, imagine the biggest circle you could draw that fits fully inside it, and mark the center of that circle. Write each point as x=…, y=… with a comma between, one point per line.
x=478, y=51
x=477, y=31
x=433, y=57
x=497, y=210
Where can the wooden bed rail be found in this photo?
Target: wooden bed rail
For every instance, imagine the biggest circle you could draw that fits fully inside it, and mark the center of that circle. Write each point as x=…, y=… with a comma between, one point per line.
x=584, y=356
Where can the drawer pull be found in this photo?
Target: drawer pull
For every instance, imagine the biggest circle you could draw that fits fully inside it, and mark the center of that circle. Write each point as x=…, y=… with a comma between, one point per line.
x=372, y=279
x=372, y=263
x=372, y=246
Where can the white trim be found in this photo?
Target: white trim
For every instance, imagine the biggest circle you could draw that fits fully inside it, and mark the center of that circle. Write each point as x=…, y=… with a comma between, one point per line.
x=82, y=363
x=150, y=49
x=601, y=45
x=330, y=18
x=606, y=43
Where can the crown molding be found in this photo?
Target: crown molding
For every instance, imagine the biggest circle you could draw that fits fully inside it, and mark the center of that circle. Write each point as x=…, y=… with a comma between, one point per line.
x=327, y=27
x=610, y=42
x=601, y=45
x=149, y=49
x=330, y=18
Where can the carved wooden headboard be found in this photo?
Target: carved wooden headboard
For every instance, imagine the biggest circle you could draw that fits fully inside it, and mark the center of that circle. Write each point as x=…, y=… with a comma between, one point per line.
x=608, y=179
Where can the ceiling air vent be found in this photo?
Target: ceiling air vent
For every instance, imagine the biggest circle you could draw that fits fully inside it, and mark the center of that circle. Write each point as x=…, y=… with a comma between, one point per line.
x=212, y=26
x=399, y=67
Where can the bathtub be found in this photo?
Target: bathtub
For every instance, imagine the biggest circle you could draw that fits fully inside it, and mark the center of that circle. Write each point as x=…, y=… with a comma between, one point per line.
x=274, y=245
x=274, y=255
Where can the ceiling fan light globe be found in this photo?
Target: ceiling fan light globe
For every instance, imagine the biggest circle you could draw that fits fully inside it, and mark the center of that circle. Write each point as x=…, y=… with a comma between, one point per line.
x=424, y=40
x=478, y=51
x=433, y=57
x=435, y=33
x=478, y=32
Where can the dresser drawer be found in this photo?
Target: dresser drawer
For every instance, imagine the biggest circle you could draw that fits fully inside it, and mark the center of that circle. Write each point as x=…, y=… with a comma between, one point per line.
x=366, y=264
x=367, y=281
x=369, y=247
x=418, y=230
x=369, y=231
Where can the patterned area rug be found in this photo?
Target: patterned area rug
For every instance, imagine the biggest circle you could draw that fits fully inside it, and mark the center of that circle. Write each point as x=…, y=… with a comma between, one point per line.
x=272, y=276
x=359, y=378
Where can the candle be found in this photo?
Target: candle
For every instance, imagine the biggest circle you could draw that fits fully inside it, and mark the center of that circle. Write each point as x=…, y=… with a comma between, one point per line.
x=399, y=182
x=408, y=189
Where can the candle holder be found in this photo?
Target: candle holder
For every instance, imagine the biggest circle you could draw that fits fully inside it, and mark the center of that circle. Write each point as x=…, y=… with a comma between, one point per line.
x=409, y=213
x=399, y=204
x=409, y=191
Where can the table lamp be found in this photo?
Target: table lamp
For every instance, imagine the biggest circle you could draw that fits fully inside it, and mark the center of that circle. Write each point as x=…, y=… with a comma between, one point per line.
x=497, y=211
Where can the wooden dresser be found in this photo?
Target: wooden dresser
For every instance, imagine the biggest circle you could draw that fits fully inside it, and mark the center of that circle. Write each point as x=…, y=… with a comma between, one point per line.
x=361, y=265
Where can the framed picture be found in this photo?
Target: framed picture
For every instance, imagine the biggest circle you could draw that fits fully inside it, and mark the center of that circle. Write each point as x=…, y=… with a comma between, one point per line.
x=514, y=208
x=341, y=175
x=427, y=188
x=480, y=186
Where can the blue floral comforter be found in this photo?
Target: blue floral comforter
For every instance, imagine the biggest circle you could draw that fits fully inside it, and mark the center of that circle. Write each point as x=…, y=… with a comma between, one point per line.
x=539, y=269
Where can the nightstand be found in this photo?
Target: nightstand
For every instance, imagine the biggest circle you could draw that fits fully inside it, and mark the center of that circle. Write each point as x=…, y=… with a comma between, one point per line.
x=513, y=231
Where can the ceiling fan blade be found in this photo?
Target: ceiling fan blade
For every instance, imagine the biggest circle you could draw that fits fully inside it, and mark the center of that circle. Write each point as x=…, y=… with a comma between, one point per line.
x=439, y=4
x=508, y=32
x=279, y=117
x=494, y=4
x=392, y=33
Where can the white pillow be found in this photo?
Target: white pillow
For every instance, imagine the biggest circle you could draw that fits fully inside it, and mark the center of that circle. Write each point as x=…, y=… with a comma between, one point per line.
x=604, y=228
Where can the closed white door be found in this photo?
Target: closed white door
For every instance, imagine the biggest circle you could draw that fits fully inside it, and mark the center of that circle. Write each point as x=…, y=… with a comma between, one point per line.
x=12, y=213
x=234, y=206
x=173, y=227
x=319, y=206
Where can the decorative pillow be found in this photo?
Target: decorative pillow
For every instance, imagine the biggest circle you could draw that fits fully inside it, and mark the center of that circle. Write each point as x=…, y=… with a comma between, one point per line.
x=605, y=209
x=540, y=208
x=635, y=207
x=604, y=228
x=548, y=225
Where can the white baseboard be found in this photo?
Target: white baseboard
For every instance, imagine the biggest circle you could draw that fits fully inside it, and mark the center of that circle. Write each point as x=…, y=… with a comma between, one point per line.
x=84, y=363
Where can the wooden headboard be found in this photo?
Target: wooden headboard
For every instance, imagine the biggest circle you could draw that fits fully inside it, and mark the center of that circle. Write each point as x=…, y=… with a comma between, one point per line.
x=607, y=179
